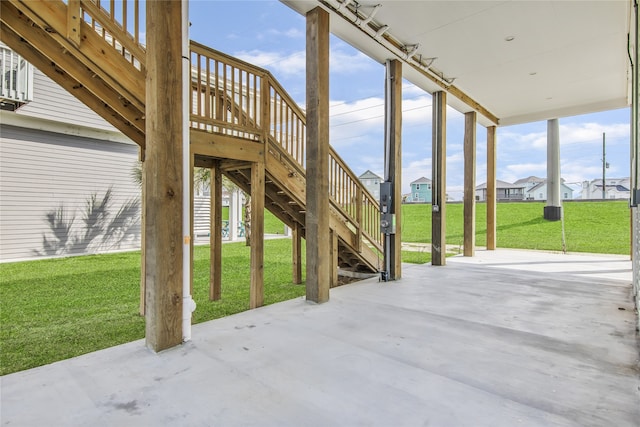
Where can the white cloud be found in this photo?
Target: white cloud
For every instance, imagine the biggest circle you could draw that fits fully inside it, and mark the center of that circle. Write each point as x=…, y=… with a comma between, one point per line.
x=292, y=33
x=280, y=62
x=294, y=63
x=571, y=133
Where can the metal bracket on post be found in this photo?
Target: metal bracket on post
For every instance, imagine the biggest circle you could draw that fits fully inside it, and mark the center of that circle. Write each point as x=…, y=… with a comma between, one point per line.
x=387, y=223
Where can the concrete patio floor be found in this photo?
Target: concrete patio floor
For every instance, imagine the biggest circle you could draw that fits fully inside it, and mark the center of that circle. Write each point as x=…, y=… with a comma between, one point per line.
x=507, y=338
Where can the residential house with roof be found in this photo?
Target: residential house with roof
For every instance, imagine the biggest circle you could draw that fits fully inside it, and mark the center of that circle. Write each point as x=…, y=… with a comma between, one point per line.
x=371, y=182
x=420, y=191
x=615, y=188
x=539, y=192
x=535, y=188
x=504, y=191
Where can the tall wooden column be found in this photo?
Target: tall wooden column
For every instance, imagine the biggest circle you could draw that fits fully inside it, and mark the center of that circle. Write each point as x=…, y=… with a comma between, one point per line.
x=215, y=233
x=470, y=183
x=163, y=176
x=317, y=157
x=491, y=187
x=439, y=177
x=393, y=164
x=296, y=253
x=256, y=292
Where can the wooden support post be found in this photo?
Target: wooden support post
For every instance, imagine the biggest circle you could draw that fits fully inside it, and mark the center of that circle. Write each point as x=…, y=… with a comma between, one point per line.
x=296, y=252
x=74, y=21
x=393, y=164
x=439, y=177
x=470, y=183
x=317, y=156
x=333, y=255
x=491, y=187
x=215, y=233
x=163, y=176
x=256, y=294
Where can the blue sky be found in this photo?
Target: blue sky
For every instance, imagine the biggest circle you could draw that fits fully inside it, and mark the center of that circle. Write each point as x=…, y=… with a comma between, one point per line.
x=269, y=34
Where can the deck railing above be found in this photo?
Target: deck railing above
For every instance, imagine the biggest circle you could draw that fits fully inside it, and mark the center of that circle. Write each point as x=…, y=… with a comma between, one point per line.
x=232, y=97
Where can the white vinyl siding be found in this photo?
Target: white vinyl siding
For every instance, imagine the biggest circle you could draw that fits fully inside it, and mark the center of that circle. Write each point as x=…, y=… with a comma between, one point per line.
x=53, y=102
x=40, y=171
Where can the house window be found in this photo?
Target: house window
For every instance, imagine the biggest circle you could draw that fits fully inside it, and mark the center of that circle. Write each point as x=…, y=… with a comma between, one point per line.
x=417, y=196
x=428, y=186
x=375, y=182
x=541, y=196
x=417, y=186
x=566, y=195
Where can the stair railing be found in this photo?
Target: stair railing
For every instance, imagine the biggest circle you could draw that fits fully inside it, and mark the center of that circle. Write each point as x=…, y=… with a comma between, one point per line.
x=119, y=23
x=235, y=98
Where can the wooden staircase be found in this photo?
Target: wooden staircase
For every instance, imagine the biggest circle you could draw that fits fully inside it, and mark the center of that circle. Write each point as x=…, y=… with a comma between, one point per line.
x=240, y=113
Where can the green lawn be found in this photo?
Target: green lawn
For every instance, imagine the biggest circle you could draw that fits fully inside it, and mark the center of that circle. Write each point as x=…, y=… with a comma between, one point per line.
x=60, y=308
x=599, y=227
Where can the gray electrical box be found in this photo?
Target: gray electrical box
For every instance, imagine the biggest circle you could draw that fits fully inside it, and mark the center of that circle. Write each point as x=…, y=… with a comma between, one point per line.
x=387, y=219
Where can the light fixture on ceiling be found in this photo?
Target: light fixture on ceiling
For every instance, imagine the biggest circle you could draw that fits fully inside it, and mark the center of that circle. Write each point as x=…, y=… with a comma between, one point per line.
x=509, y=38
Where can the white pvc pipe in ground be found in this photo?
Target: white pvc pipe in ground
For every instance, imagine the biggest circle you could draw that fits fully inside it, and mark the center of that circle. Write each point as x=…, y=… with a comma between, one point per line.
x=188, y=304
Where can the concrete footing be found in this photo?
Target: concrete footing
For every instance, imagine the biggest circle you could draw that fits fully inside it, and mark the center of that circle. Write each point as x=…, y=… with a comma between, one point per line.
x=552, y=213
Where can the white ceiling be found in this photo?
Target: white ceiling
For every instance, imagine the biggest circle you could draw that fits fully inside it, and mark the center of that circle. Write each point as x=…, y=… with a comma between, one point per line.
x=566, y=58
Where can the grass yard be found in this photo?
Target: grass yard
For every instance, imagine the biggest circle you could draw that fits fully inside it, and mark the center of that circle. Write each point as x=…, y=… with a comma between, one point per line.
x=59, y=308
x=598, y=227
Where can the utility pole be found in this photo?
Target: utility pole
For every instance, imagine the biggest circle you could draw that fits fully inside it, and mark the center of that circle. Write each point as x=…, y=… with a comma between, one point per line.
x=604, y=168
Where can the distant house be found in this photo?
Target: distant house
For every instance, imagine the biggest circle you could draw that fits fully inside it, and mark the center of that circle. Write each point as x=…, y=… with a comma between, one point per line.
x=504, y=191
x=371, y=182
x=536, y=188
x=529, y=183
x=615, y=188
x=539, y=192
x=420, y=191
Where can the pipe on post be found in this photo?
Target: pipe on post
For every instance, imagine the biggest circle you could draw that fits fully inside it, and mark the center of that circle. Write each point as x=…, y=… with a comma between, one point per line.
x=188, y=304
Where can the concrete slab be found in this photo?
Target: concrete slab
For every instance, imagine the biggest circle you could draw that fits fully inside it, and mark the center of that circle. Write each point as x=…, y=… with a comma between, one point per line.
x=480, y=342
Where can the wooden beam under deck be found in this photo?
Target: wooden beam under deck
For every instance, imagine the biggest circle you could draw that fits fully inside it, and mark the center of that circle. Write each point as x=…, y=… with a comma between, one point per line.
x=296, y=253
x=256, y=294
x=225, y=147
x=491, y=187
x=215, y=234
x=470, y=183
x=164, y=177
x=317, y=156
x=439, y=177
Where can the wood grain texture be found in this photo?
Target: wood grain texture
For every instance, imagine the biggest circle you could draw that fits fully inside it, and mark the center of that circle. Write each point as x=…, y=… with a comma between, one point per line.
x=317, y=156
x=163, y=176
x=491, y=187
x=470, y=183
x=439, y=177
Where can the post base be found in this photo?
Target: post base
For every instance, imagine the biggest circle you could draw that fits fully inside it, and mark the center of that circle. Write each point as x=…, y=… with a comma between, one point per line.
x=552, y=213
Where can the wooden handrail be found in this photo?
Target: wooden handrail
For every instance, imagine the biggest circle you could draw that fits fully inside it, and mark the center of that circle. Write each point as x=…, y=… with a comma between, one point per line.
x=114, y=29
x=254, y=96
